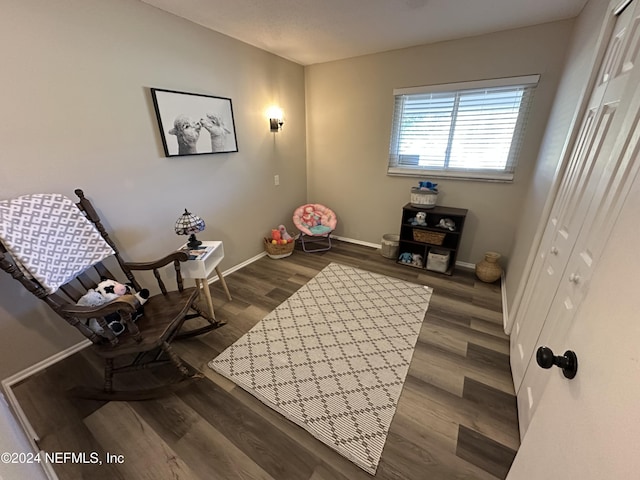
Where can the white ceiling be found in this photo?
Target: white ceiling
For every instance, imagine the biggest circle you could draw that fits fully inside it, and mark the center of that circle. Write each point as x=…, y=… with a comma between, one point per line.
x=316, y=31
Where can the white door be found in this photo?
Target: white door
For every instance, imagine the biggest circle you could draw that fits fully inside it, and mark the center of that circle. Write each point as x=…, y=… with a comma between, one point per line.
x=588, y=428
x=590, y=153
x=589, y=164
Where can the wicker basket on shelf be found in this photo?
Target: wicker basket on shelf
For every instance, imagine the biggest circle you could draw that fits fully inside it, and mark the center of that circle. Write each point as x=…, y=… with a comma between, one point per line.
x=278, y=250
x=425, y=236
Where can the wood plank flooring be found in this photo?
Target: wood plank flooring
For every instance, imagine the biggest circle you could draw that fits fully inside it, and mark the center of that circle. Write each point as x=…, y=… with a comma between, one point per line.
x=456, y=417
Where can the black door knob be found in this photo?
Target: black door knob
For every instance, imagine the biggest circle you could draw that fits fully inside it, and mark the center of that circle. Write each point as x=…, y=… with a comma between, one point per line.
x=568, y=362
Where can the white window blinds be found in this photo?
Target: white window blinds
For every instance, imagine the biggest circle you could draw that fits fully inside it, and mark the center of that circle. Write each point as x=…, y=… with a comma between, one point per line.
x=465, y=130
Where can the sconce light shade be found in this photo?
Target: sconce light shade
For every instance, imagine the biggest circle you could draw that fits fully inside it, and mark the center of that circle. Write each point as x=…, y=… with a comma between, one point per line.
x=190, y=224
x=275, y=119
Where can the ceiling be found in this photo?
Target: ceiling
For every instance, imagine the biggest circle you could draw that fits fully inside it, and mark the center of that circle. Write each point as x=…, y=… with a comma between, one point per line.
x=316, y=31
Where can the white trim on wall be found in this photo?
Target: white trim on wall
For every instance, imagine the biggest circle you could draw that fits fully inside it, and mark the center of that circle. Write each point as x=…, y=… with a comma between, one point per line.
x=505, y=307
x=237, y=267
x=357, y=242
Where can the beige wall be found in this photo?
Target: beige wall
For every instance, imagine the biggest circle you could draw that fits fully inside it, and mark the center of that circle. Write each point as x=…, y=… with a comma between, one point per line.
x=77, y=112
x=579, y=62
x=349, y=109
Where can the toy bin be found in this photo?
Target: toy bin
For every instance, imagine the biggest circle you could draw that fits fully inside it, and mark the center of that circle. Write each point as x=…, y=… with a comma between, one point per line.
x=277, y=251
x=438, y=260
x=390, y=245
x=423, y=198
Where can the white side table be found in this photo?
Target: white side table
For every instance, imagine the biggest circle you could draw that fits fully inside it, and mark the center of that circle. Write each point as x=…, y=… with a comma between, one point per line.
x=202, y=262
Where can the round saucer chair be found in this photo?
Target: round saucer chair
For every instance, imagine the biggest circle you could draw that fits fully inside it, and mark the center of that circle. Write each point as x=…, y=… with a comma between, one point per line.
x=315, y=222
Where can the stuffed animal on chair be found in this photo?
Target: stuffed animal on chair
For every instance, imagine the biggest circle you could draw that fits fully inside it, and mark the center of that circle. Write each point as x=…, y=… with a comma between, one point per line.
x=309, y=218
x=94, y=299
x=110, y=289
x=106, y=291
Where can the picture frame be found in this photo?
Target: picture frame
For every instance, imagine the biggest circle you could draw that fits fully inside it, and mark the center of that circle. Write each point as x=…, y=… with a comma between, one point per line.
x=194, y=123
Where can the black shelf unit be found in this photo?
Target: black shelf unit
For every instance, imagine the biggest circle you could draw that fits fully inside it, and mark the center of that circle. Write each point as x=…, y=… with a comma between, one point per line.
x=450, y=242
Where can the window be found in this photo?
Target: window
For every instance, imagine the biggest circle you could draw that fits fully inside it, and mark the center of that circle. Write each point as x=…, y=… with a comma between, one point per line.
x=467, y=130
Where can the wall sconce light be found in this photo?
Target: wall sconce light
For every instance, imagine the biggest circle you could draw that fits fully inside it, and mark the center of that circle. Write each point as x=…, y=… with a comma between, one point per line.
x=275, y=119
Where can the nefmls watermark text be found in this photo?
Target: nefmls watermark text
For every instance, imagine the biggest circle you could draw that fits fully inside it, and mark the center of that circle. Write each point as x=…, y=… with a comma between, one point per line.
x=95, y=458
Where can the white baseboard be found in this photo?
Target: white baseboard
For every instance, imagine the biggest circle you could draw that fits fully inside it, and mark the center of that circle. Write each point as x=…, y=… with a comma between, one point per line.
x=505, y=307
x=465, y=265
x=237, y=267
x=357, y=242
x=27, y=372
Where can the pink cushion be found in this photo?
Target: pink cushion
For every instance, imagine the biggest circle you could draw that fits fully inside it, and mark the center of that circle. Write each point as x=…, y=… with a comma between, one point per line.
x=305, y=216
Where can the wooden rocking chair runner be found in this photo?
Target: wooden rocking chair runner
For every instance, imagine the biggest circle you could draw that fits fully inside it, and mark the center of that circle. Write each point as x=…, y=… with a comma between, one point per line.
x=146, y=342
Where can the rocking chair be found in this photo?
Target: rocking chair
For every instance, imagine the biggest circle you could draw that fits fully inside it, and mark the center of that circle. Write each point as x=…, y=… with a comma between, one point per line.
x=57, y=250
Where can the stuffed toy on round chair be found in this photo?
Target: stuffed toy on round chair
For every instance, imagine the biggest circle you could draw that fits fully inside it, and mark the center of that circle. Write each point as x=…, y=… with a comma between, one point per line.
x=106, y=291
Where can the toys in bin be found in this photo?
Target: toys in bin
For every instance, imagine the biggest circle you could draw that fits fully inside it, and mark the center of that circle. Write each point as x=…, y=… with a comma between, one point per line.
x=280, y=236
x=433, y=187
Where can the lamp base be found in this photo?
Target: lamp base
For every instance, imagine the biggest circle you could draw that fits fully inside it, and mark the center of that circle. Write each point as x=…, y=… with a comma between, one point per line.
x=193, y=241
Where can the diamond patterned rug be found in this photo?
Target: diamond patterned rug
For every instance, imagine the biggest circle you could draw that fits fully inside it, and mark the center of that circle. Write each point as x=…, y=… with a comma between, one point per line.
x=333, y=357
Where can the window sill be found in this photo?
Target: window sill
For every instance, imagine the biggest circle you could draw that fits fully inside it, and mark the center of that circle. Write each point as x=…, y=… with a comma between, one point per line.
x=474, y=176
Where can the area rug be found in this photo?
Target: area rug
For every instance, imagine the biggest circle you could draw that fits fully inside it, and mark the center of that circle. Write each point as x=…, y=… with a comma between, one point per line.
x=333, y=357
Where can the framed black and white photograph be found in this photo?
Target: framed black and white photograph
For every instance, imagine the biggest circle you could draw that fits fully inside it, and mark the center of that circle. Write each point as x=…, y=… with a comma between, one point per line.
x=194, y=124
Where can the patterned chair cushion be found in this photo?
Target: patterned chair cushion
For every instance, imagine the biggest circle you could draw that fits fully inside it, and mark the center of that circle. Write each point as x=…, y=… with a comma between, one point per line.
x=322, y=216
x=49, y=238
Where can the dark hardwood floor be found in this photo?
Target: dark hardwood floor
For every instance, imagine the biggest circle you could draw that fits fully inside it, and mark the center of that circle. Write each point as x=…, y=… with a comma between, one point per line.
x=456, y=417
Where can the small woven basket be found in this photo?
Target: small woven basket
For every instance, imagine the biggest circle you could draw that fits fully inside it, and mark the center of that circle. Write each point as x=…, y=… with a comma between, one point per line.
x=425, y=236
x=278, y=250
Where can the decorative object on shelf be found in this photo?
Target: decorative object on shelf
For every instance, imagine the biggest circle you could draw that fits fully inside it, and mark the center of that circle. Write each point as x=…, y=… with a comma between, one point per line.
x=425, y=236
x=489, y=270
x=448, y=224
x=181, y=117
x=420, y=219
x=425, y=195
x=190, y=224
x=405, y=257
x=438, y=260
x=416, y=260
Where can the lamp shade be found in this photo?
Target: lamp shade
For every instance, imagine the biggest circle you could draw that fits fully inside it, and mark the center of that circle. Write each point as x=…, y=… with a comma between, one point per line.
x=190, y=224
